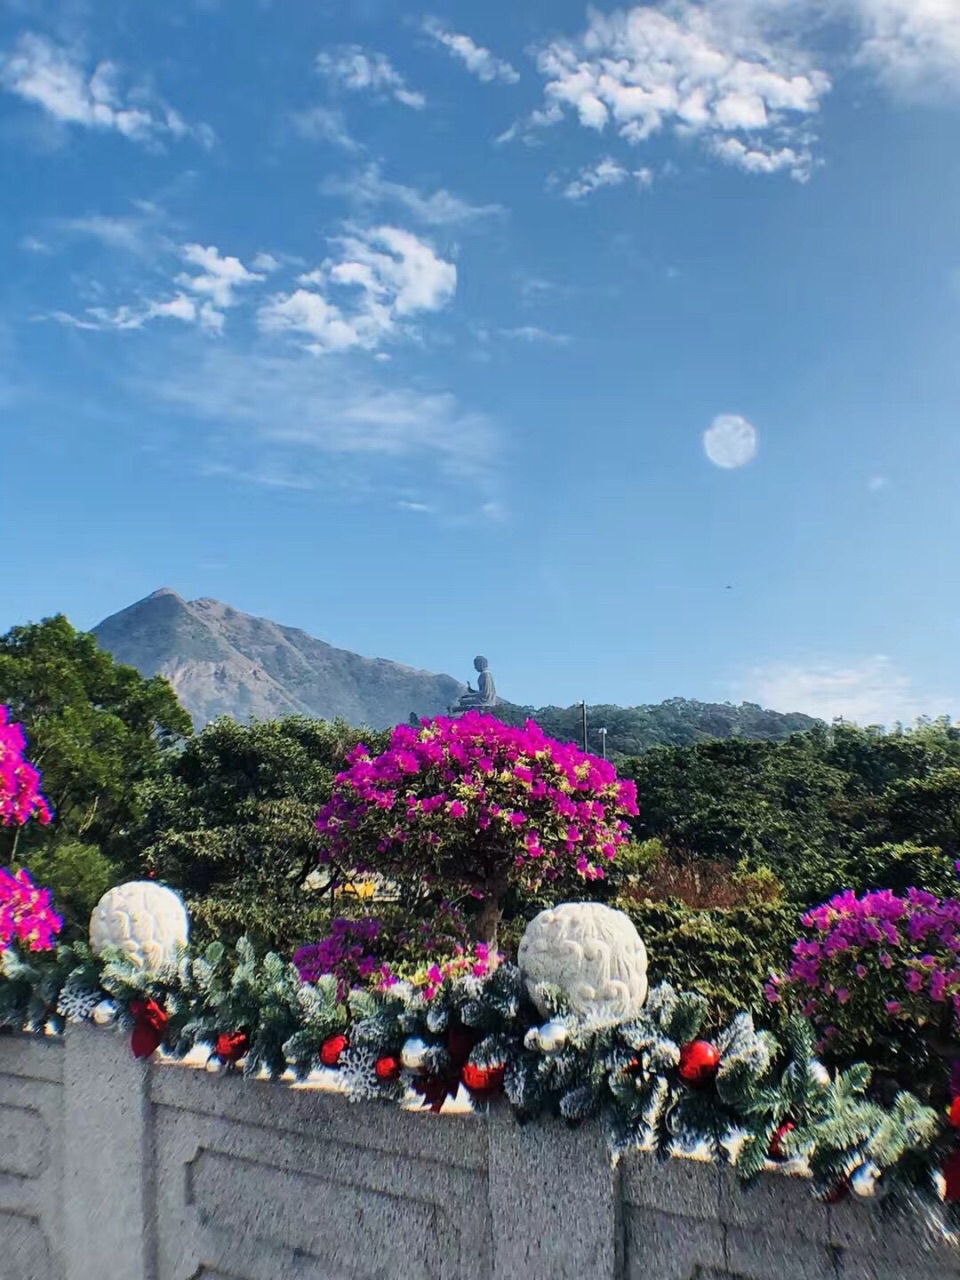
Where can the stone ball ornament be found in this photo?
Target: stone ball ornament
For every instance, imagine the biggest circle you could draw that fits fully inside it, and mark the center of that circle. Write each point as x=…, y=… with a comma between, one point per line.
x=592, y=954
x=146, y=921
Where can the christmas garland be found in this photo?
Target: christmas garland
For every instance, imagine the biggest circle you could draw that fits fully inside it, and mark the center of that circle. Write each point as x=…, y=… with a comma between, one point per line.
x=742, y=1097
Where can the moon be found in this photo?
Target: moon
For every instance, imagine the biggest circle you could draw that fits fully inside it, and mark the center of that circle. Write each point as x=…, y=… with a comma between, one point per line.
x=730, y=441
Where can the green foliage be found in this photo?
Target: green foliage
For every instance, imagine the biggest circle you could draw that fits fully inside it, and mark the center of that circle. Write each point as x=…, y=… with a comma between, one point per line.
x=824, y=811
x=677, y=722
x=95, y=729
x=231, y=825
x=725, y=955
x=77, y=876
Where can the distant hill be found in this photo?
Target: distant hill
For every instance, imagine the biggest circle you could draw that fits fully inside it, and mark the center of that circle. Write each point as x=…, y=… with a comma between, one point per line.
x=674, y=723
x=225, y=663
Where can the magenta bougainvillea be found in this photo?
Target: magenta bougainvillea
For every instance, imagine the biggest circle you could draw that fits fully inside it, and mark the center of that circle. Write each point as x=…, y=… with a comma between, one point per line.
x=874, y=959
x=26, y=915
x=20, y=797
x=475, y=806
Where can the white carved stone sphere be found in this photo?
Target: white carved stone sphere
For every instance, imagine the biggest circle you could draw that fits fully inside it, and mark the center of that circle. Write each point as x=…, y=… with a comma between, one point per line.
x=145, y=920
x=593, y=954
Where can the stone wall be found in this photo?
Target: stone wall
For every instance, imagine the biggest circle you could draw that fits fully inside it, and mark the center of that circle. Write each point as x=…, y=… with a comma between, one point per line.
x=113, y=1169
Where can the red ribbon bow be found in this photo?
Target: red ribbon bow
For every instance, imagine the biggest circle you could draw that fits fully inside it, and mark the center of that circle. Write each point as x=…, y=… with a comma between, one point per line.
x=231, y=1046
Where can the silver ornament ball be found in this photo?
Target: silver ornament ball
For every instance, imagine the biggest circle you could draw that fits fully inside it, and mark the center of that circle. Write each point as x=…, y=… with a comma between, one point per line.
x=105, y=1013
x=550, y=1038
x=864, y=1181
x=413, y=1054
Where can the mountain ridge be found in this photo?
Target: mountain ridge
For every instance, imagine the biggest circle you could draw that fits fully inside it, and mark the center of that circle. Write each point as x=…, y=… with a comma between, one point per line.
x=221, y=661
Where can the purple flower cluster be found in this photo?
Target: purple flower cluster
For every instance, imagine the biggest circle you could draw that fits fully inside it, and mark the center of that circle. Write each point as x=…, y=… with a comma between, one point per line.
x=344, y=953
x=877, y=952
x=20, y=797
x=26, y=915
x=472, y=800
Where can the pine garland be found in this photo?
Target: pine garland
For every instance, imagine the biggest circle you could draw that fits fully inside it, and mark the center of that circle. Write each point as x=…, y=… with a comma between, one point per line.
x=762, y=1103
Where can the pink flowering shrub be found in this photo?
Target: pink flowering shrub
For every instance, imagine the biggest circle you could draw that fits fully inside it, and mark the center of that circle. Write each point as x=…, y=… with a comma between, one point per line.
x=474, y=807
x=20, y=797
x=872, y=967
x=26, y=915
x=373, y=952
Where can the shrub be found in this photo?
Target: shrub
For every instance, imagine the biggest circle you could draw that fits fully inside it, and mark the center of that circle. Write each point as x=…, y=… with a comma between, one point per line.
x=77, y=875
x=20, y=798
x=475, y=809
x=880, y=976
x=724, y=955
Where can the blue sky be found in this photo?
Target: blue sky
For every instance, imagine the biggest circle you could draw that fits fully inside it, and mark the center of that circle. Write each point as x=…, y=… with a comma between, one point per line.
x=620, y=345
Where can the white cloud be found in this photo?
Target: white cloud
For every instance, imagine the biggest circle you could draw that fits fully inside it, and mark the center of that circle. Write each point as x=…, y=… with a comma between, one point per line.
x=876, y=483
x=642, y=71
x=214, y=287
x=360, y=70
x=363, y=294
x=420, y=507
x=730, y=441
x=219, y=277
x=53, y=78
x=605, y=173
x=325, y=124
x=438, y=209
x=533, y=333
x=912, y=45
x=486, y=66
x=868, y=691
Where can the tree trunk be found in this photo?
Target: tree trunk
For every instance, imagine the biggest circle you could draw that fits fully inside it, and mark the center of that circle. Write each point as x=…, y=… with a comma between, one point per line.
x=487, y=920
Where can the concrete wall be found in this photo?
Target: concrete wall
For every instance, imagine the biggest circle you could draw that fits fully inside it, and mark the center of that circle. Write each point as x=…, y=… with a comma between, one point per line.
x=113, y=1169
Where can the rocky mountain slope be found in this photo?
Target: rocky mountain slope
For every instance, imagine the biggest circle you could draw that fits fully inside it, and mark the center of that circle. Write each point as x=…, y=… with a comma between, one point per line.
x=223, y=662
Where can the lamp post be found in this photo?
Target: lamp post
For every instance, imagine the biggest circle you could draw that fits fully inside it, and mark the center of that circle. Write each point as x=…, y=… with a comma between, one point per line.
x=603, y=743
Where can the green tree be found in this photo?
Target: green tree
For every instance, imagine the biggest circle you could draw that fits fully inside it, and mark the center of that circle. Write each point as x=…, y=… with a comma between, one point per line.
x=231, y=825
x=96, y=730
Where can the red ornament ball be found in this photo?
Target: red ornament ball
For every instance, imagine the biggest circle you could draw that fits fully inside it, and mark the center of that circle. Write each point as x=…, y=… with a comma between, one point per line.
x=387, y=1069
x=482, y=1081
x=953, y=1114
x=776, y=1142
x=231, y=1046
x=331, y=1050
x=698, y=1062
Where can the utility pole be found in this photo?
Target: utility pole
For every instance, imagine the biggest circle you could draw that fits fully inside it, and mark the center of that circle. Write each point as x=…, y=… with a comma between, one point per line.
x=583, y=710
x=603, y=743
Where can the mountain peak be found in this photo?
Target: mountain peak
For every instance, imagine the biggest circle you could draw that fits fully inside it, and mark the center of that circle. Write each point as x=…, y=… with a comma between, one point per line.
x=165, y=591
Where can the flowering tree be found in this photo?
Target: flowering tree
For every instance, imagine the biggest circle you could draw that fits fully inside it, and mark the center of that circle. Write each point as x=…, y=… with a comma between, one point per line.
x=877, y=971
x=26, y=915
x=473, y=806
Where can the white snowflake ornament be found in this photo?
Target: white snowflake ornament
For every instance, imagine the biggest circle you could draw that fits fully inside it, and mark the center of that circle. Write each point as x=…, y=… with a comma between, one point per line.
x=592, y=954
x=146, y=921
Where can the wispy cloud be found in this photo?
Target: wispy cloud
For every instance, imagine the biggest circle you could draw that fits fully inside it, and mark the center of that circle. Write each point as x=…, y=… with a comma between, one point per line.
x=867, y=691
x=484, y=64
x=365, y=293
x=687, y=69
x=279, y=418
x=326, y=124
x=532, y=333
x=358, y=70
x=440, y=208
x=55, y=79
x=605, y=173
